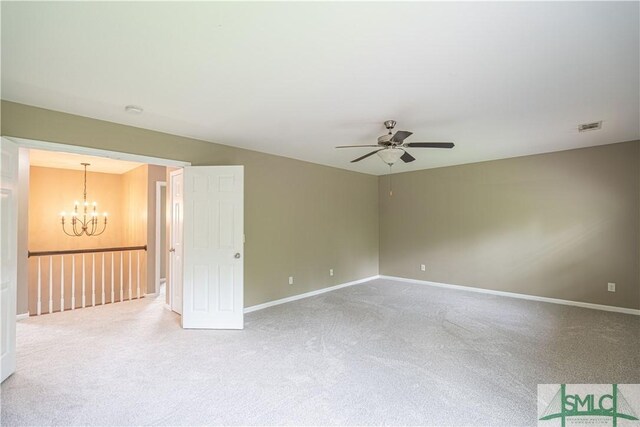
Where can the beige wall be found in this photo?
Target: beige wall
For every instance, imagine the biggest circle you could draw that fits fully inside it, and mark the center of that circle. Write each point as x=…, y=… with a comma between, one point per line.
x=557, y=225
x=300, y=218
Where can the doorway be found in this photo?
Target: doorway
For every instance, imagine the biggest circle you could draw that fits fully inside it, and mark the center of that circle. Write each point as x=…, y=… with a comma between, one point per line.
x=211, y=214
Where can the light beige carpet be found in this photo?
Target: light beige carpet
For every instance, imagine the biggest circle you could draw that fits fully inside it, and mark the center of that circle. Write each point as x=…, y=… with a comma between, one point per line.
x=378, y=353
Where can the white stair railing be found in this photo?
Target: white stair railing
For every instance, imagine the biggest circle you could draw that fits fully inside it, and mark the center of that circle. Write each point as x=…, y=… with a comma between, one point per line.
x=62, y=281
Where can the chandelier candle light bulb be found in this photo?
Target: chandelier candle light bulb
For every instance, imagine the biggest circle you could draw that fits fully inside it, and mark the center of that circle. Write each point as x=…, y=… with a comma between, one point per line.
x=87, y=225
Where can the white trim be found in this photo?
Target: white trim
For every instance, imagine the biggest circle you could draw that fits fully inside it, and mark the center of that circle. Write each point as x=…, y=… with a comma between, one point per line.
x=22, y=316
x=171, y=288
x=307, y=294
x=517, y=295
x=158, y=244
x=77, y=149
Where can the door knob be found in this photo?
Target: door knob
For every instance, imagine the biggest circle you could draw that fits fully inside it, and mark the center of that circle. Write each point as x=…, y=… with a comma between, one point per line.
x=237, y=255
x=172, y=250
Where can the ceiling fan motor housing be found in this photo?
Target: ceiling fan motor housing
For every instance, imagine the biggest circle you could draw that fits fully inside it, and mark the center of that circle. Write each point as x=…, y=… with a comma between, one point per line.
x=384, y=139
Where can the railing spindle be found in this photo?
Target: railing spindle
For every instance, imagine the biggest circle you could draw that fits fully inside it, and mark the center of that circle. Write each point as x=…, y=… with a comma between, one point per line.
x=39, y=303
x=93, y=280
x=50, y=284
x=61, y=282
x=73, y=282
x=112, y=280
x=84, y=298
x=129, y=275
x=121, y=279
x=102, y=278
x=138, y=273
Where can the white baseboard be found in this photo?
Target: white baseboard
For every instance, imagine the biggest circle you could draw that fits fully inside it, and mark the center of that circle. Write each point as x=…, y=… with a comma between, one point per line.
x=307, y=294
x=22, y=316
x=517, y=295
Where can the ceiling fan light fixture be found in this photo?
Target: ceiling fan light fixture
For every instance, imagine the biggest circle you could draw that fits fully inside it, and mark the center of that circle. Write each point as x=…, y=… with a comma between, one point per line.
x=390, y=155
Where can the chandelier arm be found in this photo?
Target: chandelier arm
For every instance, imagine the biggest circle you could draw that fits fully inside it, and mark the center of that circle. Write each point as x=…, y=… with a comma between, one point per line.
x=64, y=228
x=94, y=225
x=104, y=227
x=75, y=229
x=86, y=225
x=90, y=227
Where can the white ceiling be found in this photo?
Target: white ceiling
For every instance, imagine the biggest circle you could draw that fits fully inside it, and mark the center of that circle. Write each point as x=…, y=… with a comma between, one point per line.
x=295, y=79
x=52, y=159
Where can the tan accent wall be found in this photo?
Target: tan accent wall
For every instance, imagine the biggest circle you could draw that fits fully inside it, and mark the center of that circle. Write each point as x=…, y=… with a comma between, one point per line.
x=559, y=225
x=54, y=190
x=301, y=219
x=154, y=174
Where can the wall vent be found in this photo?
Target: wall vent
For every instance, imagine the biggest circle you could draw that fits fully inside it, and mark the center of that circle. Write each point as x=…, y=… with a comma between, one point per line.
x=590, y=126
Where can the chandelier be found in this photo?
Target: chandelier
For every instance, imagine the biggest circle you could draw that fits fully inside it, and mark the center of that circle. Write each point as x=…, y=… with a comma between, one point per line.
x=86, y=222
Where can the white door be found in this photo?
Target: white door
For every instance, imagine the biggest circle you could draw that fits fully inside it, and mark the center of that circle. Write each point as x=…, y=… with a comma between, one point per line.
x=213, y=247
x=8, y=255
x=175, y=238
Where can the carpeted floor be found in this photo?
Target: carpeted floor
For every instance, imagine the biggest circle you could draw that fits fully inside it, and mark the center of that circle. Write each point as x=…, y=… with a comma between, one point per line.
x=378, y=353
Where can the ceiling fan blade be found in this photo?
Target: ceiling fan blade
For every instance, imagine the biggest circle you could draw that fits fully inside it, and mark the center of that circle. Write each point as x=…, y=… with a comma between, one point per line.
x=355, y=146
x=407, y=158
x=366, y=155
x=430, y=144
x=401, y=135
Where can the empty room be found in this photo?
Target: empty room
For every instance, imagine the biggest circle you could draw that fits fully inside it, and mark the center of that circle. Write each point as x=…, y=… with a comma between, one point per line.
x=320, y=213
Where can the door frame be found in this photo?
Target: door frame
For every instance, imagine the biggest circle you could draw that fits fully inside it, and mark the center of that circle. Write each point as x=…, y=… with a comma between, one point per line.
x=158, y=231
x=76, y=149
x=170, y=271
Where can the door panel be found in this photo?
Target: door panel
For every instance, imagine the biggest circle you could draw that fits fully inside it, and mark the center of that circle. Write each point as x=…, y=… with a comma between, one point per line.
x=8, y=255
x=213, y=247
x=175, y=258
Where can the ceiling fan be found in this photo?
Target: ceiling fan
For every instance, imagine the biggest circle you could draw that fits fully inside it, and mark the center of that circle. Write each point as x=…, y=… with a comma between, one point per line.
x=391, y=147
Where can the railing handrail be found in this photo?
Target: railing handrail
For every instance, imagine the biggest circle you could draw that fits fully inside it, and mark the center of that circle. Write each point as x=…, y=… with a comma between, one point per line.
x=88, y=251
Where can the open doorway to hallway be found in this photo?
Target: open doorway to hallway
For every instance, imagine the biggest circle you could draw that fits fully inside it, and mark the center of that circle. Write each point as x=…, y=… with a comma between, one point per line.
x=89, y=228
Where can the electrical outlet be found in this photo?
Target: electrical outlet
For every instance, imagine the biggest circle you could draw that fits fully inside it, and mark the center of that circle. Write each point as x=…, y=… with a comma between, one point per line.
x=291, y=280
x=331, y=272
x=611, y=287
x=423, y=267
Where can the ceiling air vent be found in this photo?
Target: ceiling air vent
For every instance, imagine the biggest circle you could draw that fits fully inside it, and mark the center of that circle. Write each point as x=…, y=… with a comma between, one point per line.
x=590, y=126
